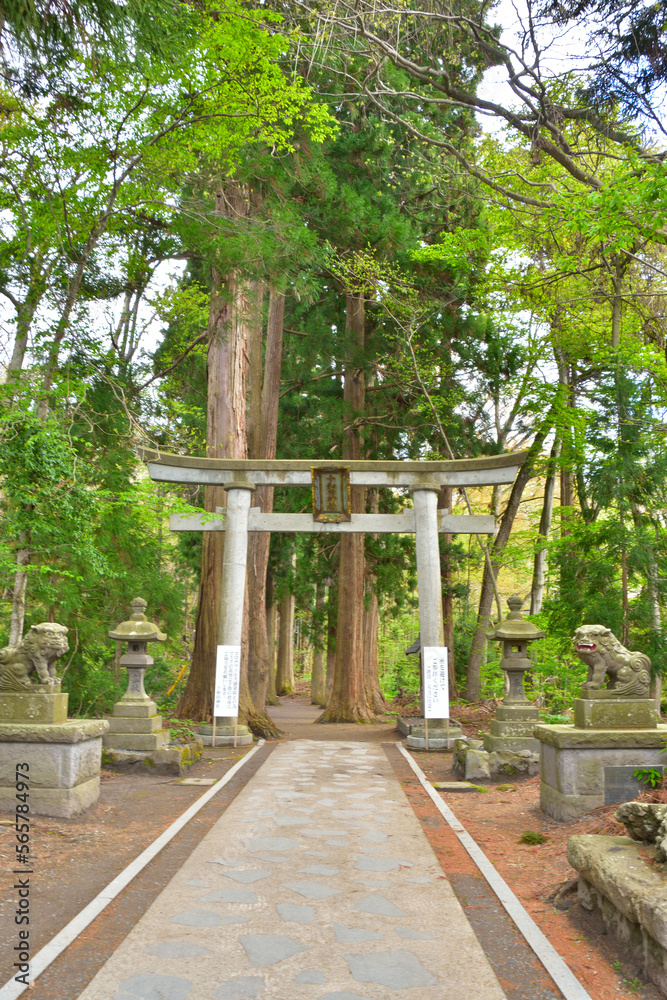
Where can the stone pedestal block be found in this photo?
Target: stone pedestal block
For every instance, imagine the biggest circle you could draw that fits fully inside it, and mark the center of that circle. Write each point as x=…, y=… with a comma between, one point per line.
x=582, y=769
x=63, y=765
x=174, y=760
x=48, y=709
x=146, y=742
x=415, y=729
x=135, y=726
x=131, y=709
x=512, y=729
x=615, y=713
x=224, y=736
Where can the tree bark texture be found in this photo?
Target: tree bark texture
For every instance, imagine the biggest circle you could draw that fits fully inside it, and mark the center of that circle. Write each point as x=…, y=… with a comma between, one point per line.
x=318, y=684
x=349, y=697
x=486, y=596
x=271, y=627
x=540, y=560
x=332, y=617
x=262, y=412
x=226, y=365
x=17, y=618
x=285, y=669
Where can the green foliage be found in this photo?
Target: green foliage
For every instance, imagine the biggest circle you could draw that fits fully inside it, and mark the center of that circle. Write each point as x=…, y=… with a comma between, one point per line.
x=399, y=674
x=532, y=838
x=650, y=776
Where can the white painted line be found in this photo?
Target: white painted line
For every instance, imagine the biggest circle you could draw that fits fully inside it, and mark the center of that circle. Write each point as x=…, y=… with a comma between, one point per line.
x=565, y=980
x=71, y=931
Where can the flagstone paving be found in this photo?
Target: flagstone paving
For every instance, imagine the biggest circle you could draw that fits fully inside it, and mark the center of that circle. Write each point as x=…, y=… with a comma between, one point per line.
x=317, y=883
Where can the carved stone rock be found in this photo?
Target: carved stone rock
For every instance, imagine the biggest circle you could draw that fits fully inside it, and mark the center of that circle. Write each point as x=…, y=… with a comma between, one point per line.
x=36, y=654
x=628, y=674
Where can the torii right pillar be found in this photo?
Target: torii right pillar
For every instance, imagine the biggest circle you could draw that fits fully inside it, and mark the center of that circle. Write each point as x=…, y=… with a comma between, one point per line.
x=429, y=585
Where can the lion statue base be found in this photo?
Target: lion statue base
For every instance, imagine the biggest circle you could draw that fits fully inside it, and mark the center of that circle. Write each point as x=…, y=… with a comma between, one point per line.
x=628, y=674
x=35, y=655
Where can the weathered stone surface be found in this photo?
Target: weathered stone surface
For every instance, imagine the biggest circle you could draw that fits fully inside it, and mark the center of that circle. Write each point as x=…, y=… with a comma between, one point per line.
x=630, y=896
x=571, y=738
x=567, y=807
x=515, y=744
x=582, y=769
x=615, y=713
x=414, y=726
x=61, y=802
x=33, y=707
x=476, y=765
x=169, y=761
x=642, y=820
x=133, y=724
x=72, y=731
x=35, y=654
x=51, y=765
x=517, y=713
x=627, y=673
x=135, y=709
x=139, y=742
x=510, y=762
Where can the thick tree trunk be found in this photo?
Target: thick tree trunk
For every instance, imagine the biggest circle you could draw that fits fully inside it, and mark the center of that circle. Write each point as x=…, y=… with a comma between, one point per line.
x=374, y=694
x=271, y=638
x=445, y=503
x=332, y=618
x=349, y=699
x=20, y=584
x=371, y=626
x=263, y=420
x=285, y=670
x=486, y=596
x=226, y=366
x=318, y=683
x=540, y=560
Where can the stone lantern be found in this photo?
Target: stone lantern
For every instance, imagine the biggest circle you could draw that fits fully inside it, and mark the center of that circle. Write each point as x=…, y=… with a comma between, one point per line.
x=512, y=728
x=135, y=725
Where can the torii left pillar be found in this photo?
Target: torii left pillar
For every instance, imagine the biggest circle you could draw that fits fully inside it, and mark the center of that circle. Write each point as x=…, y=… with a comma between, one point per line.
x=232, y=596
x=429, y=587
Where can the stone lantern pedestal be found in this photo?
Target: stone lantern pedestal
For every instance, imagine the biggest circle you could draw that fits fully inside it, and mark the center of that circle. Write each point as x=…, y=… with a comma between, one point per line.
x=516, y=718
x=135, y=724
x=136, y=741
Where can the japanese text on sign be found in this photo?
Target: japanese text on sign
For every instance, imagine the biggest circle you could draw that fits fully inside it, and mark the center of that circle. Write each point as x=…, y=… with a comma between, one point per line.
x=436, y=682
x=227, y=674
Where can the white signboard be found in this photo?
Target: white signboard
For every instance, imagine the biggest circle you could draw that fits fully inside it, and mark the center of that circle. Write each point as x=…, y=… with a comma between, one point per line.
x=436, y=682
x=227, y=675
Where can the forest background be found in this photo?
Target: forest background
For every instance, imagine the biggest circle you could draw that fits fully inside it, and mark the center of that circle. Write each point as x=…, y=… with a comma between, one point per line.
x=243, y=230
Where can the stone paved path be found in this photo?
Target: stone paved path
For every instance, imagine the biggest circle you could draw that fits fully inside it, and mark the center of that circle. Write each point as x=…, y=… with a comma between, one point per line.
x=317, y=883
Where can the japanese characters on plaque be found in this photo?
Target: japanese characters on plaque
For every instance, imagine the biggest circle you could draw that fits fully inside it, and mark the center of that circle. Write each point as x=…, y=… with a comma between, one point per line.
x=227, y=676
x=436, y=682
x=331, y=494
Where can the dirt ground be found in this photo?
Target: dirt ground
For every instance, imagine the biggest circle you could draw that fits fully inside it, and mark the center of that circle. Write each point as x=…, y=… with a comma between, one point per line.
x=75, y=859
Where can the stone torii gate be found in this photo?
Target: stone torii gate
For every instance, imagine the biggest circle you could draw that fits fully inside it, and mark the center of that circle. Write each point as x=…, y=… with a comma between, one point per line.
x=239, y=477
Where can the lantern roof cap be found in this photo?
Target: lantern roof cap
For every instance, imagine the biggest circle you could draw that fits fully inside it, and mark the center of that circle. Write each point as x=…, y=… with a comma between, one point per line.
x=515, y=628
x=138, y=628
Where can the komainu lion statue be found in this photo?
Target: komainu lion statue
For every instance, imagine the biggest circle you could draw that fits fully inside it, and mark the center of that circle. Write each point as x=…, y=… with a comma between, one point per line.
x=35, y=654
x=629, y=673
